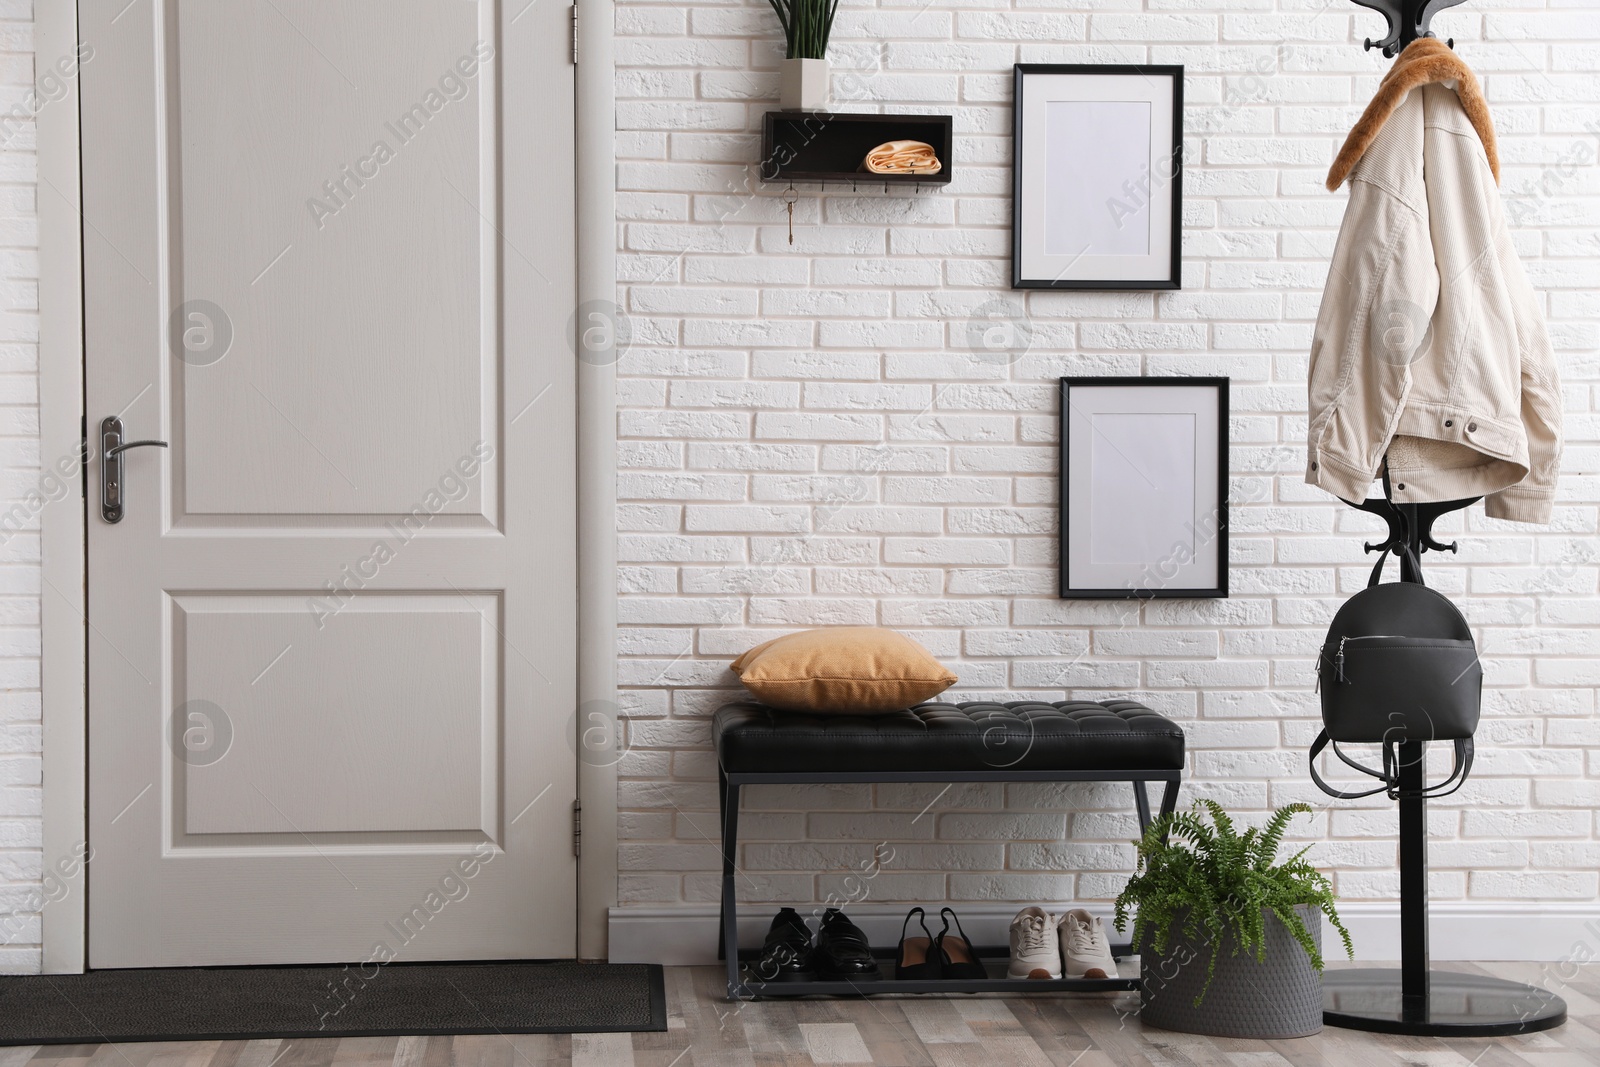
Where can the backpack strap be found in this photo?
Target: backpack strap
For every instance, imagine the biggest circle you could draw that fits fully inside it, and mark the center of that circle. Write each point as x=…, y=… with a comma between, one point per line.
x=1410, y=565
x=1322, y=742
x=1390, y=775
x=1410, y=568
x=1458, y=775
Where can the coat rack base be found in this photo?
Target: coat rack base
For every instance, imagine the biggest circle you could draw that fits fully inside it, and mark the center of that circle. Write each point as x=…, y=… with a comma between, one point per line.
x=1414, y=998
x=1455, y=1005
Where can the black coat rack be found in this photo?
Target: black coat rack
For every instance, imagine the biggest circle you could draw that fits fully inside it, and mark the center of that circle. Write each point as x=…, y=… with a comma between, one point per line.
x=1415, y=999
x=1408, y=20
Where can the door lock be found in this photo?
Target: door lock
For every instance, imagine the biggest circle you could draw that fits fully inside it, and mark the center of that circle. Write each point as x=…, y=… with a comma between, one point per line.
x=111, y=449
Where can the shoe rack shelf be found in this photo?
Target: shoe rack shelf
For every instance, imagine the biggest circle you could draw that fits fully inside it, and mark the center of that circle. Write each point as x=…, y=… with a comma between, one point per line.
x=994, y=958
x=743, y=983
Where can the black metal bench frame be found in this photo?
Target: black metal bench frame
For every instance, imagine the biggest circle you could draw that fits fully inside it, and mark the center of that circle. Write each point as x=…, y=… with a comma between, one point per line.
x=728, y=924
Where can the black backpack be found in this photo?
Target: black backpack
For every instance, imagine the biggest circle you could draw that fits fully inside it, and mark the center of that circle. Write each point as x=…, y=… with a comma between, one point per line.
x=1399, y=664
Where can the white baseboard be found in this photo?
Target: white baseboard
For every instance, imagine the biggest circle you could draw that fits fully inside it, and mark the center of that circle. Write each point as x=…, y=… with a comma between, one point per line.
x=1457, y=930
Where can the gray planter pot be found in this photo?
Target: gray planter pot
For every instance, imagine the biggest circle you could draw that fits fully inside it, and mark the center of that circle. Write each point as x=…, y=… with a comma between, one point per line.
x=1278, y=997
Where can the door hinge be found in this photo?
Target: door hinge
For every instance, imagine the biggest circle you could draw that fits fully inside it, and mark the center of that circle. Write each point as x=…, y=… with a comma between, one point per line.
x=574, y=35
x=577, y=828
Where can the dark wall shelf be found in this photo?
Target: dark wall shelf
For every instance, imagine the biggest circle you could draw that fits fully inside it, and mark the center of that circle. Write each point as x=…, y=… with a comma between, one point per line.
x=823, y=146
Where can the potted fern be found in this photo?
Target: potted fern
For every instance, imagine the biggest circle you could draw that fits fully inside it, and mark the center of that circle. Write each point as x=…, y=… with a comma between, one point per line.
x=803, y=73
x=1230, y=940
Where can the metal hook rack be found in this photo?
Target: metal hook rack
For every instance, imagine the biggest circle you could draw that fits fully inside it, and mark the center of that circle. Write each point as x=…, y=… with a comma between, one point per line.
x=1410, y=525
x=1408, y=21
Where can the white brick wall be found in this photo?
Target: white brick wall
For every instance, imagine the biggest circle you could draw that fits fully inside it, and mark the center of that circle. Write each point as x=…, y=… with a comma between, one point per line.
x=809, y=438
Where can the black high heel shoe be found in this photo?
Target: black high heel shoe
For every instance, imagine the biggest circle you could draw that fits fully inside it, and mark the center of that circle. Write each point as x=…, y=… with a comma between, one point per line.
x=918, y=959
x=959, y=958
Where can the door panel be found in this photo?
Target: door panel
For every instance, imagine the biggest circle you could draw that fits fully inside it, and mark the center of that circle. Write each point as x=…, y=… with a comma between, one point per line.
x=319, y=749
x=368, y=195
x=332, y=641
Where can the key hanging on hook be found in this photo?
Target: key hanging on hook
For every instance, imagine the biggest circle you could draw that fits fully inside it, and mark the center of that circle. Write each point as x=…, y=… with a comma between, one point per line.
x=789, y=199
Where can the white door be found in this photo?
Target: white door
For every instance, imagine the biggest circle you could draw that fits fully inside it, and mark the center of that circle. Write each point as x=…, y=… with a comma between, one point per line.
x=329, y=257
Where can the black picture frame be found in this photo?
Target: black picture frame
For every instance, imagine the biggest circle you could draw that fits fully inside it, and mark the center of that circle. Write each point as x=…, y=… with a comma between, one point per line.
x=1211, y=537
x=1021, y=220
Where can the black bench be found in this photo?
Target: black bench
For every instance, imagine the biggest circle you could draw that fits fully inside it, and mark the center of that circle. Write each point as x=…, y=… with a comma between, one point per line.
x=1019, y=741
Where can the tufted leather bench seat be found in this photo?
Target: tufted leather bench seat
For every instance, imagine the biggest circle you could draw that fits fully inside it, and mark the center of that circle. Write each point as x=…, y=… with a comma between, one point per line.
x=973, y=741
x=1066, y=735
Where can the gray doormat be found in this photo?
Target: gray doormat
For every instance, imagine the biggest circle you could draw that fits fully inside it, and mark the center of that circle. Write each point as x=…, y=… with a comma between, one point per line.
x=241, y=1003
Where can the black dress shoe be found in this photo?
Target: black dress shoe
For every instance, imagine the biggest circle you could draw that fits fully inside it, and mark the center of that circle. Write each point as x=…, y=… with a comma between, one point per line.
x=786, y=954
x=842, y=952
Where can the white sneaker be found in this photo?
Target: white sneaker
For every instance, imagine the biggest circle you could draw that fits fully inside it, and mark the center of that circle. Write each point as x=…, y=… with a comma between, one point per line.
x=1085, y=947
x=1033, y=945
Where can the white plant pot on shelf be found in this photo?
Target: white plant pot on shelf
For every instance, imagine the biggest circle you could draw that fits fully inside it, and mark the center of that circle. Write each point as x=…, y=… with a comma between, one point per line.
x=803, y=84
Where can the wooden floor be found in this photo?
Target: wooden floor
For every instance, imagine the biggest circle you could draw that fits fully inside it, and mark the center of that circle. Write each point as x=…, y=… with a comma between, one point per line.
x=705, y=1030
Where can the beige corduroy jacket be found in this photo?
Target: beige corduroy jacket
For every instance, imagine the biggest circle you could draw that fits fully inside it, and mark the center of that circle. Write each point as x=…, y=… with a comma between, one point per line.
x=1430, y=344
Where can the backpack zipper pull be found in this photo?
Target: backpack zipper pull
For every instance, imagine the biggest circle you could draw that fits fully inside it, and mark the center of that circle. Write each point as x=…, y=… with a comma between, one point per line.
x=1338, y=661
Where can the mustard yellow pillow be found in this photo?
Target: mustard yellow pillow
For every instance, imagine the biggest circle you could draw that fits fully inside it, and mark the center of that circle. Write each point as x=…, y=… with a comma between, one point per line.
x=842, y=670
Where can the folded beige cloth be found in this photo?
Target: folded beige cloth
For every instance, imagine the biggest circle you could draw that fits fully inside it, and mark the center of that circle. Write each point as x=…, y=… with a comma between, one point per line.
x=902, y=157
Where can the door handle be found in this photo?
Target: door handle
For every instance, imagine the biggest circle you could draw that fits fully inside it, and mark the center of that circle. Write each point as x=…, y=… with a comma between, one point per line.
x=111, y=449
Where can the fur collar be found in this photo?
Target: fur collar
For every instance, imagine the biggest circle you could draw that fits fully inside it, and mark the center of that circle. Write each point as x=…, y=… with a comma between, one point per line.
x=1424, y=61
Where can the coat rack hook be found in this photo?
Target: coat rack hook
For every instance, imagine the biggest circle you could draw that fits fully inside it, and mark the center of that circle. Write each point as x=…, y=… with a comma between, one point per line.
x=1408, y=21
x=1409, y=524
